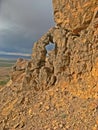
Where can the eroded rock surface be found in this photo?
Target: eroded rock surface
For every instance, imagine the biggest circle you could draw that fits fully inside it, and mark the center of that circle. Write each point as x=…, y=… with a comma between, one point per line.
x=75, y=15
x=57, y=89
x=74, y=55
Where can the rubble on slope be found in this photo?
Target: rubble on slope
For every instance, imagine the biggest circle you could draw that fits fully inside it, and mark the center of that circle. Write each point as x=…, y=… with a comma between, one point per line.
x=58, y=89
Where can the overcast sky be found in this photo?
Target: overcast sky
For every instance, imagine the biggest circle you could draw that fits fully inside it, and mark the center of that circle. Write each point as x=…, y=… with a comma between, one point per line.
x=22, y=22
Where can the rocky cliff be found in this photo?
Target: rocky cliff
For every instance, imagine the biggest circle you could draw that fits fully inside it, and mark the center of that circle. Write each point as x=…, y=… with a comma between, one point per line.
x=75, y=15
x=58, y=89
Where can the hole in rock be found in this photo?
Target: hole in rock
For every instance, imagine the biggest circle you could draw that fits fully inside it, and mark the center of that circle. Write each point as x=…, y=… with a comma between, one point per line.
x=50, y=47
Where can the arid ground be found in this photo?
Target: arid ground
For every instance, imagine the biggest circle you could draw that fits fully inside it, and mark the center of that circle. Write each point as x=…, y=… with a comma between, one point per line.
x=5, y=70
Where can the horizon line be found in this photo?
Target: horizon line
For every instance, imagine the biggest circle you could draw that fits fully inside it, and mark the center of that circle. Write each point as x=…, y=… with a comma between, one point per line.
x=15, y=53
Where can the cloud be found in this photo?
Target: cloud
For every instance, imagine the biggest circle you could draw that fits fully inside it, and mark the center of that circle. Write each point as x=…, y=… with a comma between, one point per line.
x=28, y=14
x=22, y=22
x=15, y=41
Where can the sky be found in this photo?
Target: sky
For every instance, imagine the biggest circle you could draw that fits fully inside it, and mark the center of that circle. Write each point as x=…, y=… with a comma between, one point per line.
x=22, y=22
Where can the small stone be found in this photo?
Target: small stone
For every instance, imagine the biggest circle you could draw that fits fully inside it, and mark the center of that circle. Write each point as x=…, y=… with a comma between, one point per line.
x=41, y=103
x=55, y=128
x=17, y=125
x=61, y=125
x=47, y=108
x=22, y=124
x=48, y=128
x=30, y=111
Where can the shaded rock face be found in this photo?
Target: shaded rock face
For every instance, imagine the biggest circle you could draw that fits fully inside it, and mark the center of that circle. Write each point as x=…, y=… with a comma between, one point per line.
x=75, y=55
x=76, y=47
x=75, y=15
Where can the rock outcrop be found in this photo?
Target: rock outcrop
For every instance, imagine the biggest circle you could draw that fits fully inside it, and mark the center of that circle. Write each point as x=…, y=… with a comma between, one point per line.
x=66, y=74
x=75, y=15
x=74, y=56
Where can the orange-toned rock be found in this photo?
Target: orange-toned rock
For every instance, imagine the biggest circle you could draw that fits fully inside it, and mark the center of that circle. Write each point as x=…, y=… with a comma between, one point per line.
x=57, y=89
x=75, y=15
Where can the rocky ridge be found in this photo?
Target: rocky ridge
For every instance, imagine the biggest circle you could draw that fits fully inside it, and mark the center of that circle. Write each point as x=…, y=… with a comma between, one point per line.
x=75, y=15
x=57, y=89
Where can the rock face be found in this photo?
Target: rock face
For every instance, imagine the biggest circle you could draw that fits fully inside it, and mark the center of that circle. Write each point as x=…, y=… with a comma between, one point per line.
x=68, y=74
x=75, y=15
x=75, y=38
x=75, y=55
